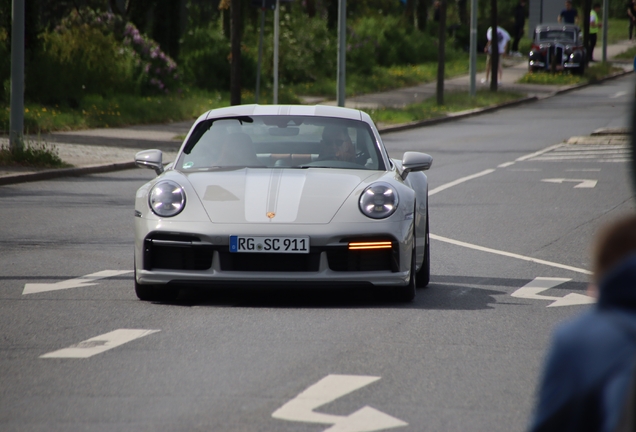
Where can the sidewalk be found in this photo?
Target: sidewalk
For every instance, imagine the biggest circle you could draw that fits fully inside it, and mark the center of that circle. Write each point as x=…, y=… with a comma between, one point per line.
x=103, y=150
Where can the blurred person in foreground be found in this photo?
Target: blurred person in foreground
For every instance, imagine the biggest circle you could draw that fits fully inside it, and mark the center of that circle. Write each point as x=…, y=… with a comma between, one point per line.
x=588, y=379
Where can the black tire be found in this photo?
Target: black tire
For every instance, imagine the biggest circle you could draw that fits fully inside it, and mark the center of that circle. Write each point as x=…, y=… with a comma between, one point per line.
x=155, y=292
x=424, y=274
x=580, y=70
x=406, y=293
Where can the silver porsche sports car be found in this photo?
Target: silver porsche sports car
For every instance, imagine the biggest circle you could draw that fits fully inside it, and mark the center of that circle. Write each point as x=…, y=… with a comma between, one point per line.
x=282, y=194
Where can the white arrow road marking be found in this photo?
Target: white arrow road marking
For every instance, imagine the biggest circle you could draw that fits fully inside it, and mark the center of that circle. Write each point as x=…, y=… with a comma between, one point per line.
x=99, y=344
x=540, y=284
x=582, y=183
x=328, y=389
x=83, y=281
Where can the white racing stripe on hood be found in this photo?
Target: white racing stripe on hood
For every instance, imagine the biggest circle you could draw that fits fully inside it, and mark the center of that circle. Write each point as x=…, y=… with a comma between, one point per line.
x=278, y=191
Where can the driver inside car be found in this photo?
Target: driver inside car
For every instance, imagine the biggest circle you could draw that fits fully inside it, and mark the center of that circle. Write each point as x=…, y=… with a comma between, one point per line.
x=337, y=145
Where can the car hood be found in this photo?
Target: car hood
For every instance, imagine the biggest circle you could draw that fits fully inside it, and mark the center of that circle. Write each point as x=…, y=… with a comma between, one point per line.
x=557, y=41
x=302, y=196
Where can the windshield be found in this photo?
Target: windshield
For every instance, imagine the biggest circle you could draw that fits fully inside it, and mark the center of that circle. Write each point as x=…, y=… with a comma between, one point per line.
x=550, y=35
x=281, y=142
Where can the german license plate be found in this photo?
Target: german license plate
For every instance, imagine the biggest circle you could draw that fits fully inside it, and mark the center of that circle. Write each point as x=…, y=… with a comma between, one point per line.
x=269, y=244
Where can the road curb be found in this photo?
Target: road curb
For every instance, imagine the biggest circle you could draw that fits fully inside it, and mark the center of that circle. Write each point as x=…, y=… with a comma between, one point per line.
x=119, y=166
x=579, y=86
x=455, y=116
x=65, y=172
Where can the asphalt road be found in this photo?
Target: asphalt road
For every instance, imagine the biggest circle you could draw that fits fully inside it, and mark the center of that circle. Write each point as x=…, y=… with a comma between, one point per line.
x=465, y=355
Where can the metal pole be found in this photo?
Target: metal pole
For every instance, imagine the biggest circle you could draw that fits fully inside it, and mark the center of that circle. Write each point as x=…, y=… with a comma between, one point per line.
x=605, y=14
x=16, y=122
x=276, y=29
x=441, y=52
x=342, y=45
x=260, y=54
x=473, y=47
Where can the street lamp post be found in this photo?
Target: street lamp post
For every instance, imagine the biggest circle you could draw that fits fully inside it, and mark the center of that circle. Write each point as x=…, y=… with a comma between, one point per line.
x=342, y=46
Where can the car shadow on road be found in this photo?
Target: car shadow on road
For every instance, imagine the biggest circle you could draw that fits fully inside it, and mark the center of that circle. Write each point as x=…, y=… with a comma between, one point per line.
x=445, y=292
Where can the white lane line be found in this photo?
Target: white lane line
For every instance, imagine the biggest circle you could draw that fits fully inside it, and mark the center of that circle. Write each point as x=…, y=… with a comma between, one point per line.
x=509, y=254
x=618, y=94
x=583, y=170
x=505, y=164
x=590, y=158
x=458, y=181
x=99, y=344
x=489, y=171
x=540, y=152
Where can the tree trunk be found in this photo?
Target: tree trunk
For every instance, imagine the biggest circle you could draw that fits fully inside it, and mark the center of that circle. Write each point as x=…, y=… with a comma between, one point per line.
x=235, y=40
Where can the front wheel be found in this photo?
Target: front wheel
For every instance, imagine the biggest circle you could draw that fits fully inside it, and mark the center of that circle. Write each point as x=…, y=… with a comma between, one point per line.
x=424, y=274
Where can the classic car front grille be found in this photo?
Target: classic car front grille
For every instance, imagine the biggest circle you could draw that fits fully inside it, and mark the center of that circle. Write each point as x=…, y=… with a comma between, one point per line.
x=555, y=55
x=265, y=262
x=176, y=252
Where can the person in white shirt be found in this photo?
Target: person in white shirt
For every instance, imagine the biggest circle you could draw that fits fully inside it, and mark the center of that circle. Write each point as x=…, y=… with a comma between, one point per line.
x=503, y=39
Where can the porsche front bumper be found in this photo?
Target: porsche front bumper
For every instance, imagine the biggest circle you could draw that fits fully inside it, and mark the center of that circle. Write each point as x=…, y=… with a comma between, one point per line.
x=188, y=253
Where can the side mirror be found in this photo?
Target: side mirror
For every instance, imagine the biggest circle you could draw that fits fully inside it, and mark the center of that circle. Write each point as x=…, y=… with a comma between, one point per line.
x=150, y=159
x=415, y=161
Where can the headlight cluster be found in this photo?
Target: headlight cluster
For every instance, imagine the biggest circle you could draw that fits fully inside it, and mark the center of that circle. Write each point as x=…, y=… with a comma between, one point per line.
x=378, y=201
x=166, y=199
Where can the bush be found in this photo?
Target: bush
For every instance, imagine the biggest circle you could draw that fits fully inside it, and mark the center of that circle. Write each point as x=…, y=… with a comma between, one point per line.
x=76, y=61
x=204, y=57
x=96, y=53
x=5, y=65
x=306, y=53
x=386, y=41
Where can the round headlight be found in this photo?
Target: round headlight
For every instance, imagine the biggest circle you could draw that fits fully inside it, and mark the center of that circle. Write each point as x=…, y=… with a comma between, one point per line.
x=166, y=199
x=378, y=201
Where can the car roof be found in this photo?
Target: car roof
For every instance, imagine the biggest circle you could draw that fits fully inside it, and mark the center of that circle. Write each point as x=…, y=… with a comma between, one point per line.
x=557, y=26
x=300, y=110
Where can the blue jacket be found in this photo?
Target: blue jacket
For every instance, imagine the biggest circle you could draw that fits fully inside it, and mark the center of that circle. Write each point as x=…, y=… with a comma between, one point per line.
x=591, y=361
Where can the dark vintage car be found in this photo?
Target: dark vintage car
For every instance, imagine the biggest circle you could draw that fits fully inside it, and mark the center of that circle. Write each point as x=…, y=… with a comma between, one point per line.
x=557, y=47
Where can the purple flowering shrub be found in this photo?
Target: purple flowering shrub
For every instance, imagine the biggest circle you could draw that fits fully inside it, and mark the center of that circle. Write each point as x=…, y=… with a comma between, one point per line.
x=158, y=70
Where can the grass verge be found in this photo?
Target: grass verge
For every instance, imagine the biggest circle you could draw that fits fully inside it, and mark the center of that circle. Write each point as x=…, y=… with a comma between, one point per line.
x=593, y=73
x=34, y=154
x=383, y=79
x=453, y=102
x=629, y=54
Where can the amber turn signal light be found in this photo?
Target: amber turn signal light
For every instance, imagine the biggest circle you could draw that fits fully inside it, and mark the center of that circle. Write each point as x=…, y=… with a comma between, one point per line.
x=370, y=245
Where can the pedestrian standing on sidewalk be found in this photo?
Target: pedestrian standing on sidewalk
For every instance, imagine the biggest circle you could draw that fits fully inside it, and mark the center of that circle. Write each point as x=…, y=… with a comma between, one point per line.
x=631, y=16
x=503, y=38
x=589, y=375
x=595, y=25
x=520, y=19
x=569, y=15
